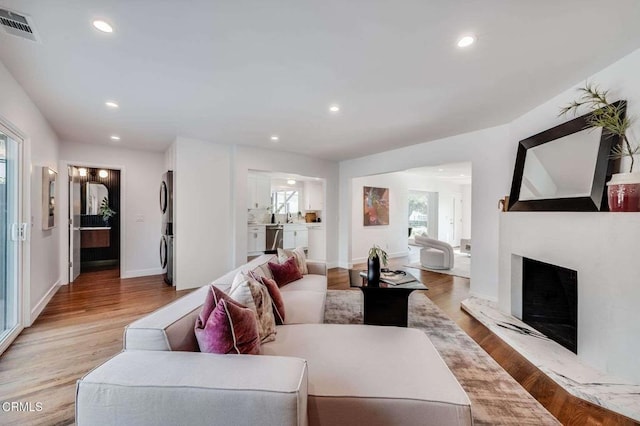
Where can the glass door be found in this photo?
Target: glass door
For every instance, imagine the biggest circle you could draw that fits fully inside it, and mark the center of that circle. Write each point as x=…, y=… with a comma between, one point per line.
x=11, y=237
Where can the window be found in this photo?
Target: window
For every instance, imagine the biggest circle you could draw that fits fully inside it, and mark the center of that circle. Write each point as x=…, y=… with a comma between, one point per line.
x=285, y=201
x=418, y=212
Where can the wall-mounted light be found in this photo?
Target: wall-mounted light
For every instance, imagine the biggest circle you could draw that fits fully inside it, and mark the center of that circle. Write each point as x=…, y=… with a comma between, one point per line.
x=82, y=171
x=103, y=173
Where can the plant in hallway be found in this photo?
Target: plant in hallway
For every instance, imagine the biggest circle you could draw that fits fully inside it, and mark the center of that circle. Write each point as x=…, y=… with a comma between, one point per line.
x=623, y=188
x=105, y=211
x=376, y=254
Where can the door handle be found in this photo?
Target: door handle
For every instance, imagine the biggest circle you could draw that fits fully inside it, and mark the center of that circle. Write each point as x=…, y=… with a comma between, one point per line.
x=23, y=231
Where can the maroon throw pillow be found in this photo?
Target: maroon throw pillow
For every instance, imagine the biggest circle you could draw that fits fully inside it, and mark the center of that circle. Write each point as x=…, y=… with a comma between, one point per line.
x=286, y=272
x=276, y=299
x=226, y=327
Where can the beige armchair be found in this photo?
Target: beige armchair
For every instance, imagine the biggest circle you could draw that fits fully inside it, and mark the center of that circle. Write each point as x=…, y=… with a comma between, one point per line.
x=434, y=254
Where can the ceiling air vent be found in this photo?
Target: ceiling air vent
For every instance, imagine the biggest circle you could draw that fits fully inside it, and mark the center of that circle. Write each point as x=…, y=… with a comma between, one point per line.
x=18, y=25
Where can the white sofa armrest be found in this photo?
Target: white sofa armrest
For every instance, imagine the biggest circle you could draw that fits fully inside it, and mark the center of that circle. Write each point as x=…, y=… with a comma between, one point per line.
x=317, y=268
x=186, y=388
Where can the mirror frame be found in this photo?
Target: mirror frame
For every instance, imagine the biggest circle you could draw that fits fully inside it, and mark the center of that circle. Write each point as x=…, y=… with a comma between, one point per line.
x=49, y=201
x=605, y=167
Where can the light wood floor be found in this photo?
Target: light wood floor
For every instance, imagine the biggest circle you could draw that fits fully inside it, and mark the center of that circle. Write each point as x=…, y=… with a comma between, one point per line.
x=83, y=324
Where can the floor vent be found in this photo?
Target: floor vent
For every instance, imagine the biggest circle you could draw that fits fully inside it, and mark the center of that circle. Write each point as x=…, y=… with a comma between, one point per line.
x=18, y=25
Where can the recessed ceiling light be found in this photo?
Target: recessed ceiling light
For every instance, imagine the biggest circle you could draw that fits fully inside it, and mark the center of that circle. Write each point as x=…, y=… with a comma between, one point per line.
x=334, y=108
x=103, y=26
x=115, y=137
x=112, y=104
x=441, y=170
x=275, y=138
x=462, y=175
x=291, y=182
x=82, y=171
x=103, y=173
x=466, y=41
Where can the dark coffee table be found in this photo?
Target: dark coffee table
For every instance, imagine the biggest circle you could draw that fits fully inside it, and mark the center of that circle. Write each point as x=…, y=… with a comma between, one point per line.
x=387, y=304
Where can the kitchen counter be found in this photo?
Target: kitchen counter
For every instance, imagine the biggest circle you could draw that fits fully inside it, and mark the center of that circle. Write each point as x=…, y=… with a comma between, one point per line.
x=94, y=228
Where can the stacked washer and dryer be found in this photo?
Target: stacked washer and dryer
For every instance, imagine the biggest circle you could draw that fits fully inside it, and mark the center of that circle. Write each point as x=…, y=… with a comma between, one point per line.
x=166, y=242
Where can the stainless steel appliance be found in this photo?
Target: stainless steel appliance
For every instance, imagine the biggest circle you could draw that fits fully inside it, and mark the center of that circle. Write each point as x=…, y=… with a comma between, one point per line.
x=166, y=241
x=274, y=238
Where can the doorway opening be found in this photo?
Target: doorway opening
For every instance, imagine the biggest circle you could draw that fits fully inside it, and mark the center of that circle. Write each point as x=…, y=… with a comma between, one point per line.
x=94, y=222
x=433, y=201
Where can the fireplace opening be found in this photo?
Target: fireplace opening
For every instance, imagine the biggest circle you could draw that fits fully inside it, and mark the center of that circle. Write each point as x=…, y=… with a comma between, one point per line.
x=550, y=301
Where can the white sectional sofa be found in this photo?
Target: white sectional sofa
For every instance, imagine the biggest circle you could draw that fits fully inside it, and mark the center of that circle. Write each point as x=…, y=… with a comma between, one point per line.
x=313, y=373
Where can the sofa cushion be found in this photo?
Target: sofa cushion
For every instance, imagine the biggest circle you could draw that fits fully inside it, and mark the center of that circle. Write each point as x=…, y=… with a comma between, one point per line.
x=286, y=272
x=298, y=254
x=369, y=375
x=230, y=329
x=255, y=295
x=304, y=307
x=180, y=388
x=308, y=282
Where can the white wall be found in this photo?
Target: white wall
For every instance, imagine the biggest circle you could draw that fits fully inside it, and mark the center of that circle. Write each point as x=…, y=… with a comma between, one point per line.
x=18, y=111
x=392, y=238
x=620, y=78
x=467, y=201
x=140, y=218
x=247, y=158
x=492, y=155
x=203, y=212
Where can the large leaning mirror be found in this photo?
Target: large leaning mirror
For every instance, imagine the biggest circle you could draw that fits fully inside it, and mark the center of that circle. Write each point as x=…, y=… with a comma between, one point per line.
x=96, y=193
x=563, y=169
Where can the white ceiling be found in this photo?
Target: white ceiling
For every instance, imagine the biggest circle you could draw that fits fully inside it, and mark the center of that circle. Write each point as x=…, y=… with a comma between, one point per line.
x=237, y=72
x=457, y=173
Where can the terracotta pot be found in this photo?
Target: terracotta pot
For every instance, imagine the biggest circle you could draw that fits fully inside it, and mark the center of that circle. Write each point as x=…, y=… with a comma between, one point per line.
x=623, y=192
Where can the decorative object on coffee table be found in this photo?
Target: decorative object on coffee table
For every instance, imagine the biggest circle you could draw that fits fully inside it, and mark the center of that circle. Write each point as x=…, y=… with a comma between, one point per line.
x=376, y=254
x=623, y=190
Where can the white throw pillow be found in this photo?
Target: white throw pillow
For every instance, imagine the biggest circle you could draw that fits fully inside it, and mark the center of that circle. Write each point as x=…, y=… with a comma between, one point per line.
x=255, y=295
x=298, y=254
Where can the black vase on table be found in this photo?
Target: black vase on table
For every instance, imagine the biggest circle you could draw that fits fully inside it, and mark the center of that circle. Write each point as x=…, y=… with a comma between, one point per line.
x=373, y=272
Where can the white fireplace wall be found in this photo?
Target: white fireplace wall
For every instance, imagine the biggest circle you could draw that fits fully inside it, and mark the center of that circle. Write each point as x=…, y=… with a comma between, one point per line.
x=604, y=249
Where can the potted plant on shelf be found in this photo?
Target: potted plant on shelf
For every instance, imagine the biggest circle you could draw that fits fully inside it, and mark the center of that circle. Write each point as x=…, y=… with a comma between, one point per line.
x=105, y=211
x=623, y=191
x=376, y=254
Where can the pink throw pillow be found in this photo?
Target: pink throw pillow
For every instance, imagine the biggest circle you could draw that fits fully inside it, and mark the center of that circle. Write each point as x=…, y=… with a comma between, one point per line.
x=226, y=327
x=276, y=299
x=286, y=272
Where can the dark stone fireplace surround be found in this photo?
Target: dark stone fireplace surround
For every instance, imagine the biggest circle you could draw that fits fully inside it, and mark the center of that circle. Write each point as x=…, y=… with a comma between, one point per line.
x=550, y=301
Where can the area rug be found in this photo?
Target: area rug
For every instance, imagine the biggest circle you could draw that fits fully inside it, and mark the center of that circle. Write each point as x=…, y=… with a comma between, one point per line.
x=461, y=266
x=496, y=398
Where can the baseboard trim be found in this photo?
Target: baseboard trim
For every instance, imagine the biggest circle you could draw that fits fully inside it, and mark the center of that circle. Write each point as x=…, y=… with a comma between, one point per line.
x=141, y=273
x=37, y=310
x=389, y=255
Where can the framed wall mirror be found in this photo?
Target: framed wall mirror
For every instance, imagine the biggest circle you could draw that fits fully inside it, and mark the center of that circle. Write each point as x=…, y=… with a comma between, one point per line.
x=564, y=168
x=95, y=194
x=49, y=177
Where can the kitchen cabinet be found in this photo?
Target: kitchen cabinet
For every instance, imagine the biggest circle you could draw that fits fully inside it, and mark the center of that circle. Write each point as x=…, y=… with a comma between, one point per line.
x=256, y=239
x=295, y=236
x=313, y=196
x=316, y=243
x=258, y=192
